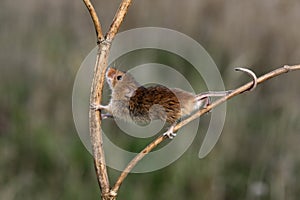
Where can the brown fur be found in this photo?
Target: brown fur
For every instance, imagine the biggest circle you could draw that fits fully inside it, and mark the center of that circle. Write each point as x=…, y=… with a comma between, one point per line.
x=130, y=101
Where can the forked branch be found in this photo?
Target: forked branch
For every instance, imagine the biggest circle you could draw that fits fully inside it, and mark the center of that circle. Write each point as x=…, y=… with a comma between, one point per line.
x=104, y=44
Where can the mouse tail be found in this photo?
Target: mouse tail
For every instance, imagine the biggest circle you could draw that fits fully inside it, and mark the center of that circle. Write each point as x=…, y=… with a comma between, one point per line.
x=204, y=98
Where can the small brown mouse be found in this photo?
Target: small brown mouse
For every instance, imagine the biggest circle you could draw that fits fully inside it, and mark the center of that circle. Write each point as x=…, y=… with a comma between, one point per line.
x=131, y=101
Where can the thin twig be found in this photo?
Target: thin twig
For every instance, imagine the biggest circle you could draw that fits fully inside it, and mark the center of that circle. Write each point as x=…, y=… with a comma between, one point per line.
x=161, y=138
x=115, y=25
x=95, y=19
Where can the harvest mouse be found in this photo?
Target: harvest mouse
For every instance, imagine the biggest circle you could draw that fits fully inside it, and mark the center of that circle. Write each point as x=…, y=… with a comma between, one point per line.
x=131, y=101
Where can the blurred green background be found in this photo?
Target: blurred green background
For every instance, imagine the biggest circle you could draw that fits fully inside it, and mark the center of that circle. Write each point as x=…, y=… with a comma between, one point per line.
x=42, y=46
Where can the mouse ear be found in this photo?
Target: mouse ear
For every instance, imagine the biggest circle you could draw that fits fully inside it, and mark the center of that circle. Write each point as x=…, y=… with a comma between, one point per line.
x=111, y=73
x=129, y=92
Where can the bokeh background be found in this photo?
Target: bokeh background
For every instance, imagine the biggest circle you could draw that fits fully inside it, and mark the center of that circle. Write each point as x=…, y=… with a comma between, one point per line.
x=42, y=46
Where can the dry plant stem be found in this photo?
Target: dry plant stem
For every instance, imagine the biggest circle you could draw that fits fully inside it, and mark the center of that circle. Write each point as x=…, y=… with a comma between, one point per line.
x=119, y=17
x=160, y=139
x=95, y=19
x=95, y=116
x=96, y=92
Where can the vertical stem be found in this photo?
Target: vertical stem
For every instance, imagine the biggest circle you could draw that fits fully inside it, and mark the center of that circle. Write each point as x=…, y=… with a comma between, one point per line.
x=95, y=118
x=104, y=44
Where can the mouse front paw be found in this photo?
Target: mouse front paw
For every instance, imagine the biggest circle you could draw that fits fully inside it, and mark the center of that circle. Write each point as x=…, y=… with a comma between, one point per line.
x=98, y=107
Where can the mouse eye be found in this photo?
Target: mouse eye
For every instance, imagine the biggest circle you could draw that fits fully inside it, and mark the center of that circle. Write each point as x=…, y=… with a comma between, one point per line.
x=119, y=77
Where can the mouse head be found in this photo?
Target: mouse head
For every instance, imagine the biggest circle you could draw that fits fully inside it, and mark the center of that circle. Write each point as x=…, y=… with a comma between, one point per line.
x=121, y=83
x=113, y=77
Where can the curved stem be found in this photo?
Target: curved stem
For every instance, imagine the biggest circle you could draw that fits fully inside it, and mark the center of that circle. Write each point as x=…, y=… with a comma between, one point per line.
x=95, y=19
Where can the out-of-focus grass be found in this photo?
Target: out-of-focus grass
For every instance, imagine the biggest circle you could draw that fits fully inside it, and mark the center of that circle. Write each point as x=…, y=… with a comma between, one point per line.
x=42, y=46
